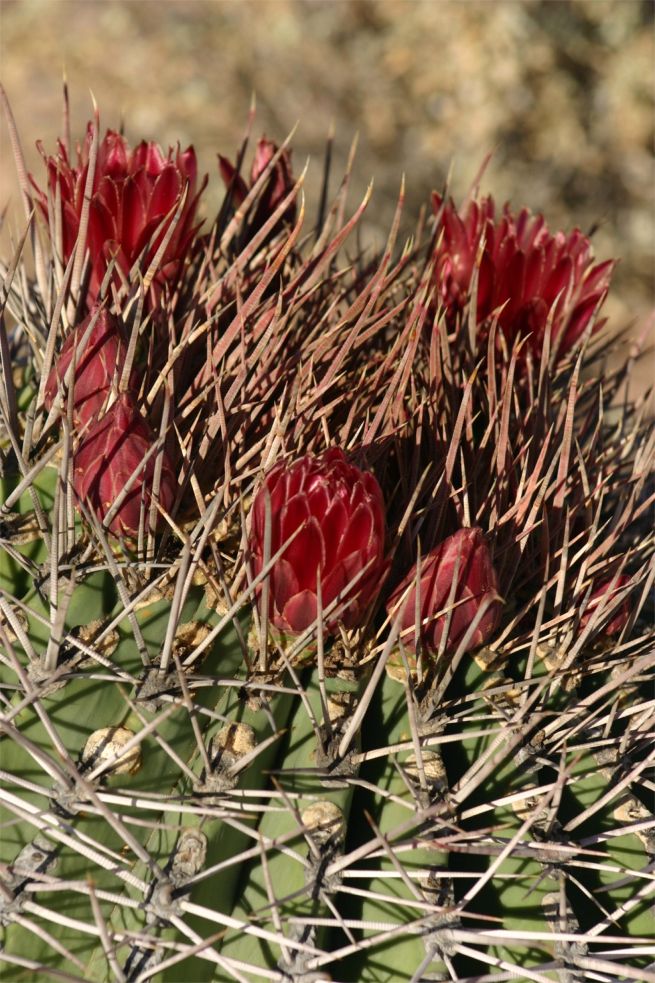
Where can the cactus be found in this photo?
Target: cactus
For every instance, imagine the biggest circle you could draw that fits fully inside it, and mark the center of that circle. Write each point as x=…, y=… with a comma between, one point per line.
x=190, y=793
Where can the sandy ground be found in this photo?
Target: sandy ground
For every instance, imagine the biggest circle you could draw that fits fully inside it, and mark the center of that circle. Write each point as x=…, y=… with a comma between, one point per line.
x=561, y=92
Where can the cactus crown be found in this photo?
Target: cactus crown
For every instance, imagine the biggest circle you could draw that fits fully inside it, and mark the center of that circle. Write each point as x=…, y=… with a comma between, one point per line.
x=324, y=583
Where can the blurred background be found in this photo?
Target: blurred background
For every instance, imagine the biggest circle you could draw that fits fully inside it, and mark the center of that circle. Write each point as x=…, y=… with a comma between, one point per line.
x=561, y=91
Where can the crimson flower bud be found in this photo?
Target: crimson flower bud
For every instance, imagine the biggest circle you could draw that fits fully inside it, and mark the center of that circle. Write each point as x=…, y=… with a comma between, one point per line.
x=467, y=552
x=337, y=513
x=98, y=364
x=280, y=180
x=605, y=594
x=278, y=185
x=526, y=273
x=106, y=460
x=133, y=193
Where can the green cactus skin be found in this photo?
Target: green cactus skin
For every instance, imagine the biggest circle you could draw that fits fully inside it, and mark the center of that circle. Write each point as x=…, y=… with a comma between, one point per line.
x=294, y=871
x=393, y=809
x=103, y=706
x=15, y=578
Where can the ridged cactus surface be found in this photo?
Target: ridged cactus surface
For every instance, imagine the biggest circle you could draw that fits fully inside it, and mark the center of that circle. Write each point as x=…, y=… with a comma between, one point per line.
x=326, y=578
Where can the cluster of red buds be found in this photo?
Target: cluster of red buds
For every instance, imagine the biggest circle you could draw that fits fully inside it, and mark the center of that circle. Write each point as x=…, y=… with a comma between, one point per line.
x=134, y=199
x=317, y=528
x=143, y=205
x=526, y=276
x=318, y=525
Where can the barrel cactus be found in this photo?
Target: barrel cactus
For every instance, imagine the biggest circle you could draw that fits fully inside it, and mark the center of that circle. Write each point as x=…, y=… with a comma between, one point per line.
x=325, y=588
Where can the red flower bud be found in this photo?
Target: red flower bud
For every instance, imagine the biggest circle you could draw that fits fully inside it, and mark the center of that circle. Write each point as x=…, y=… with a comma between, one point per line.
x=133, y=192
x=106, y=460
x=278, y=185
x=477, y=583
x=339, y=511
x=605, y=594
x=98, y=364
x=280, y=180
x=524, y=269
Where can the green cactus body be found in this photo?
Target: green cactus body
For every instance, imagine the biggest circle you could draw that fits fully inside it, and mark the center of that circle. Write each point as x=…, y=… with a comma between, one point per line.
x=400, y=940
x=284, y=888
x=105, y=706
x=20, y=533
x=226, y=841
